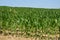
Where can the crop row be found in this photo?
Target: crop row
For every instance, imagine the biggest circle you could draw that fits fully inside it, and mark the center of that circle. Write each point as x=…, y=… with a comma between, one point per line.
x=34, y=20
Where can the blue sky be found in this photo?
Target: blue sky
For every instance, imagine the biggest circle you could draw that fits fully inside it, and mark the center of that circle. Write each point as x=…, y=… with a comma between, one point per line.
x=31, y=3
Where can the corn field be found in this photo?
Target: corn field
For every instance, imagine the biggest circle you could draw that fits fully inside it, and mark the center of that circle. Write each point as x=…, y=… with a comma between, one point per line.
x=38, y=23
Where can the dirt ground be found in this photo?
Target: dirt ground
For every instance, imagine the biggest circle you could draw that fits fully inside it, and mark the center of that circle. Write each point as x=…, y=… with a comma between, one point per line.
x=2, y=37
x=13, y=38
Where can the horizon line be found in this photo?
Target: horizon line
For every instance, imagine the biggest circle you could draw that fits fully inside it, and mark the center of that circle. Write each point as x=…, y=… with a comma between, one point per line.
x=31, y=7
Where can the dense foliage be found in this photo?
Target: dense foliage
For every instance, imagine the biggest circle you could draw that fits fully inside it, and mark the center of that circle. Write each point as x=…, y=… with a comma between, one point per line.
x=30, y=19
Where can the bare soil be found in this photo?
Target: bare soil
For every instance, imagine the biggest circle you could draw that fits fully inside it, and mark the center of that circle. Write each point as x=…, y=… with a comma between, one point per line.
x=13, y=38
x=9, y=37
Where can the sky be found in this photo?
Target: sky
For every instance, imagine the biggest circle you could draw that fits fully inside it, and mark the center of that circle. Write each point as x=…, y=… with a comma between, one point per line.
x=31, y=3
